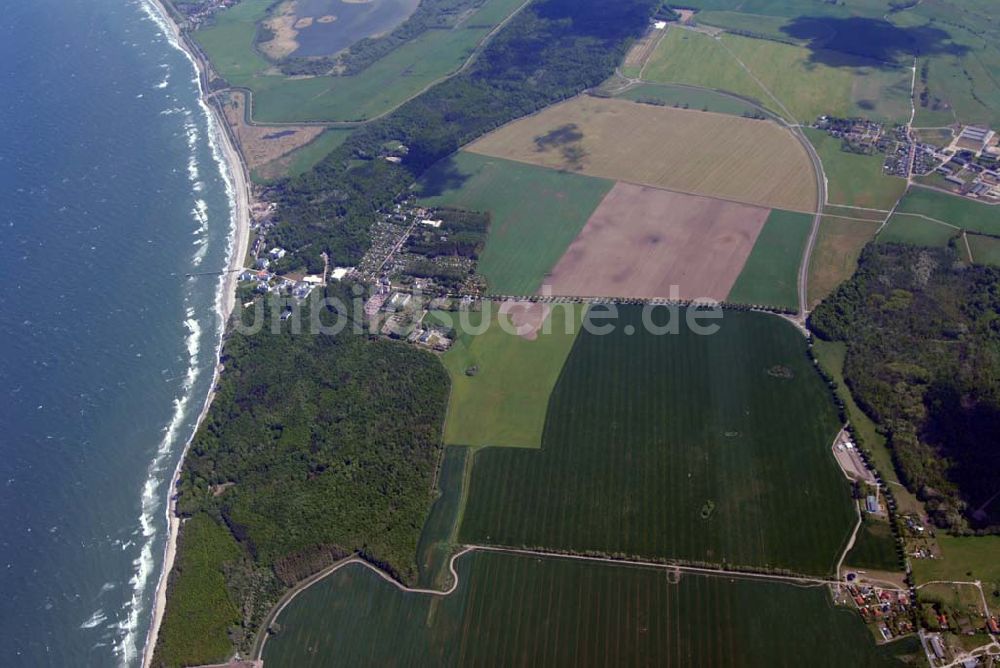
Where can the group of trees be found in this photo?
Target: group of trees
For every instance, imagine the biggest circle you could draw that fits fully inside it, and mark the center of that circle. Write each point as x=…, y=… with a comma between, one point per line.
x=923, y=360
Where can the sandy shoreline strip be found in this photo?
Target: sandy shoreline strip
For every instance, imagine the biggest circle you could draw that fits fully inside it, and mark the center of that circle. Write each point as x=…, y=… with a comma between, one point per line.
x=227, y=299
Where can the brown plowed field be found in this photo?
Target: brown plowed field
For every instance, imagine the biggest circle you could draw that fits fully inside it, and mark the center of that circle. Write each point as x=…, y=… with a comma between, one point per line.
x=642, y=241
x=703, y=153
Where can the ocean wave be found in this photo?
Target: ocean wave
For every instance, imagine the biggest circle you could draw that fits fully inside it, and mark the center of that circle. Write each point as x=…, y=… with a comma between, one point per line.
x=128, y=648
x=94, y=620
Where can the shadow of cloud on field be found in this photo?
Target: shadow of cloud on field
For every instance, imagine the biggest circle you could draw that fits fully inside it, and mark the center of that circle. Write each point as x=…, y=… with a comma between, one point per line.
x=828, y=38
x=441, y=178
x=566, y=138
x=559, y=137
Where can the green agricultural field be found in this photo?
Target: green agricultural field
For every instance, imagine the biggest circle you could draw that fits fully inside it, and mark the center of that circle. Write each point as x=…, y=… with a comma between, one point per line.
x=770, y=275
x=952, y=209
x=382, y=86
x=806, y=87
x=195, y=629
x=500, y=382
x=438, y=538
x=673, y=95
x=985, y=250
x=304, y=158
x=835, y=257
x=536, y=213
x=853, y=179
x=517, y=610
x=906, y=229
x=676, y=446
x=874, y=548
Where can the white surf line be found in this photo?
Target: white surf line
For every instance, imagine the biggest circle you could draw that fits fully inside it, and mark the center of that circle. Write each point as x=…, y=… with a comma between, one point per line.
x=233, y=173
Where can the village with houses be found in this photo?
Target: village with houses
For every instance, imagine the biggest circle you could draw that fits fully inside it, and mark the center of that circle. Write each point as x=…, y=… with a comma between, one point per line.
x=421, y=263
x=967, y=163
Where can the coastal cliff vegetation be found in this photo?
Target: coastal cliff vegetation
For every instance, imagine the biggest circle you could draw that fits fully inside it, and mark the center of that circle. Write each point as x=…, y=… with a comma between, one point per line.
x=315, y=447
x=319, y=446
x=922, y=330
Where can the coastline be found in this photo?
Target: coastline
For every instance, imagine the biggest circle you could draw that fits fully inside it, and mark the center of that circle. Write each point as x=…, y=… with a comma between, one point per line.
x=235, y=173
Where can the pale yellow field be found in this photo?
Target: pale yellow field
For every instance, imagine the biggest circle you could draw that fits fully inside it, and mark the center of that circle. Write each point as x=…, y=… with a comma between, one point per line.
x=739, y=159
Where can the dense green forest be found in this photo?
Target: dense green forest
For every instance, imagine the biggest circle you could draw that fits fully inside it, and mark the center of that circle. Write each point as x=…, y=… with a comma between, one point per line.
x=315, y=446
x=552, y=50
x=923, y=360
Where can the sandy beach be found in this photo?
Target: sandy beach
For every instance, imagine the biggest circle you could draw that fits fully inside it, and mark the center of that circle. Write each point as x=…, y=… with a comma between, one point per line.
x=237, y=174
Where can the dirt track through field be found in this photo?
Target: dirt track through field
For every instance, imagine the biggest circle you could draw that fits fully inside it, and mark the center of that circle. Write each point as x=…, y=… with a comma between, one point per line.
x=641, y=241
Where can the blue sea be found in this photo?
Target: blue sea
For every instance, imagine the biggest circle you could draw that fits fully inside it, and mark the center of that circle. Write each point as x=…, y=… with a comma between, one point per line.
x=111, y=192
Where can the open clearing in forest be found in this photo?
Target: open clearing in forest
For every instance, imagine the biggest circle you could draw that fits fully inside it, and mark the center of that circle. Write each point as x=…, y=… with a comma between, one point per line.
x=645, y=242
x=703, y=153
x=683, y=446
x=501, y=380
x=519, y=610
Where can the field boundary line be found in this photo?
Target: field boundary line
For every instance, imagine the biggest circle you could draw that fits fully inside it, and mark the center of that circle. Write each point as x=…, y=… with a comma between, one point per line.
x=933, y=220
x=862, y=208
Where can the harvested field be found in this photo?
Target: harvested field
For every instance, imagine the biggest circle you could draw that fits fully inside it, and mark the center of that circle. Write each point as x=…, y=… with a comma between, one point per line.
x=262, y=144
x=644, y=242
x=835, y=257
x=535, y=213
x=750, y=161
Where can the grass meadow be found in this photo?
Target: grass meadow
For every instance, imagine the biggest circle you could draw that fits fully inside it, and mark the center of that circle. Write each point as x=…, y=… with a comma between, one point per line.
x=835, y=257
x=958, y=211
x=385, y=84
x=854, y=179
x=536, y=213
x=500, y=382
x=985, y=250
x=518, y=610
x=770, y=275
x=805, y=87
x=673, y=95
x=906, y=229
x=699, y=448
